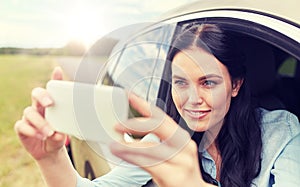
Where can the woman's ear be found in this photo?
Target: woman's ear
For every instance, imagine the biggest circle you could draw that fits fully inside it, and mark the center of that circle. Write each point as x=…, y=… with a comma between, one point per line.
x=236, y=85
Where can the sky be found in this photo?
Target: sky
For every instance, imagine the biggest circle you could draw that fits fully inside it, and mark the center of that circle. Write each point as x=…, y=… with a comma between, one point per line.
x=53, y=23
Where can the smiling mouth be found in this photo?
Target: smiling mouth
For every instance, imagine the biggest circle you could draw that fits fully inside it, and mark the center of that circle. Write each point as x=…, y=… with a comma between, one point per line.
x=197, y=114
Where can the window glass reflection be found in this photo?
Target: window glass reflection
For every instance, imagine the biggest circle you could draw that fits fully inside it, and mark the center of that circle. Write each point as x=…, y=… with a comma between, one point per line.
x=161, y=60
x=136, y=64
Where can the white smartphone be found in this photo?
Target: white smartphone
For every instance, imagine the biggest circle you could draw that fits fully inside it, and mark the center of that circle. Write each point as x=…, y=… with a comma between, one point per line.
x=86, y=111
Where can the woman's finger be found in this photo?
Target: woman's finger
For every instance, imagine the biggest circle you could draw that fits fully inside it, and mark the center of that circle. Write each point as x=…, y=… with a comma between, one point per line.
x=40, y=99
x=154, y=121
x=153, y=152
x=153, y=117
x=25, y=129
x=57, y=74
x=143, y=154
x=38, y=122
x=138, y=126
x=163, y=127
x=140, y=105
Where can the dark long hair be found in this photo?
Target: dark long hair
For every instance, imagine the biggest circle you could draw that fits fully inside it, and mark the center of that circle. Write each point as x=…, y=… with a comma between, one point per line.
x=239, y=140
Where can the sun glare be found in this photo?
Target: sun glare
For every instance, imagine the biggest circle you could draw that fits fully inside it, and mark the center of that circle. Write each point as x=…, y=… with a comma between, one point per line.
x=85, y=26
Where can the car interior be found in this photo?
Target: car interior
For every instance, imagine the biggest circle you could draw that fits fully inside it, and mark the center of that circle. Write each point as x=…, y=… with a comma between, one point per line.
x=273, y=75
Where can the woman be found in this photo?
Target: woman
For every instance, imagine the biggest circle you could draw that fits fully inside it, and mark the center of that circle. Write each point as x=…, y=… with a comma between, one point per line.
x=242, y=145
x=209, y=96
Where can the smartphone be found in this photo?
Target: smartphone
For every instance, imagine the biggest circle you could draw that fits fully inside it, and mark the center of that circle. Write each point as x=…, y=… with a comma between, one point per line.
x=87, y=111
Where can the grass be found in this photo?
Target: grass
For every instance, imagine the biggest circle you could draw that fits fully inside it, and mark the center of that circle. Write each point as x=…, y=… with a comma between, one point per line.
x=18, y=76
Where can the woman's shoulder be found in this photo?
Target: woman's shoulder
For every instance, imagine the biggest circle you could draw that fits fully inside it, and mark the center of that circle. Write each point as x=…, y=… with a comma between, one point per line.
x=279, y=121
x=279, y=129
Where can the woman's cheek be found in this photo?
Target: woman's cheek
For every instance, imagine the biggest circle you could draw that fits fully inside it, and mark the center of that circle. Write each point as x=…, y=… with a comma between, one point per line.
x=220, y=100
x=179, y=98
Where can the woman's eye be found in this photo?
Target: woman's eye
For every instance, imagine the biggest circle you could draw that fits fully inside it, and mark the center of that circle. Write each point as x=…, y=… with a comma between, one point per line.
x=209, y=83
x=180, y=83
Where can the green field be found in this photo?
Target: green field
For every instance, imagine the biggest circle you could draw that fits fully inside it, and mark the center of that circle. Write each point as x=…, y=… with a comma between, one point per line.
x=18, y=76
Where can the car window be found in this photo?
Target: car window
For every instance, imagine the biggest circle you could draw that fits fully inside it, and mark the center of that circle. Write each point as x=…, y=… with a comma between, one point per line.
x=161, y=61
x=288, y=84
x=133, y=69
x=288, y=67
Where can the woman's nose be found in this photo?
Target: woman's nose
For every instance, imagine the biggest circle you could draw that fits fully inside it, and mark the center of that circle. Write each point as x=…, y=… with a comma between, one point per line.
x=195, y=96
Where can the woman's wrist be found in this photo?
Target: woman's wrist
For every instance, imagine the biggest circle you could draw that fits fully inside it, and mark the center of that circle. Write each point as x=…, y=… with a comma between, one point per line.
x=57, y=169
x=53, y=157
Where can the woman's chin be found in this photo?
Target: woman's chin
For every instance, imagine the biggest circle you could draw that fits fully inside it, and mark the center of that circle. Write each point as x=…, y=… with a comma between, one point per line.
x=197, y=126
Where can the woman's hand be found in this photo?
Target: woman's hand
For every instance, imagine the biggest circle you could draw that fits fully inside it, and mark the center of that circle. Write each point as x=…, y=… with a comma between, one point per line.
x=34, y=131
x=171, y=162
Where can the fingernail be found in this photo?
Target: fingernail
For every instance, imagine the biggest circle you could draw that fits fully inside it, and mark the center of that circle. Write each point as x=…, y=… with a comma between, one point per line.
x=119, y=128
x=50, y=133
x=47, y=131
x=47, y=101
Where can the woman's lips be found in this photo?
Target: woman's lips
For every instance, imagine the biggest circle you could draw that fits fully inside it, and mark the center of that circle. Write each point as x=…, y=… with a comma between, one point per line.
x=197, y=114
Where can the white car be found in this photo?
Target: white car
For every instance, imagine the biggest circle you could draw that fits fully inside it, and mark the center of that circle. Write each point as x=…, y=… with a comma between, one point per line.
x=272, y=45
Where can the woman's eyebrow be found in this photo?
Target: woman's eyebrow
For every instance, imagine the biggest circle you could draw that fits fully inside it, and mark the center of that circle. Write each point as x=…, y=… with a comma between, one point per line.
x=177, y=77
x=201, y=78
x=210, y=76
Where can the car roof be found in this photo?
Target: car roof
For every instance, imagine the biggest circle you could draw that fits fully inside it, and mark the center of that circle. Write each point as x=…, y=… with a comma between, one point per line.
x=288, y=9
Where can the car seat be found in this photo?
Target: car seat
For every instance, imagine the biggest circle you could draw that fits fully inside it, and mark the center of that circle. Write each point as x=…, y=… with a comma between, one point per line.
x=261, y=72
x=288, y=87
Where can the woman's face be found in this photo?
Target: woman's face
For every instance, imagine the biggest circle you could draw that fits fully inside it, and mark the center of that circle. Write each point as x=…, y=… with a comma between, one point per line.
x=201, y=89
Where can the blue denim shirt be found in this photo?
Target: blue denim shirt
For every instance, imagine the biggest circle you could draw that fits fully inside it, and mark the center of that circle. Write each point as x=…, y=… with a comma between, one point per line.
x=280, y=165
x=281, y=150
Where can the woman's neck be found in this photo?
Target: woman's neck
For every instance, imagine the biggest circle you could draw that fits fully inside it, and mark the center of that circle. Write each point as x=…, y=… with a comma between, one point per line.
x=216, y=156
